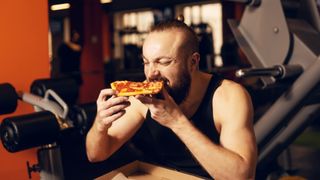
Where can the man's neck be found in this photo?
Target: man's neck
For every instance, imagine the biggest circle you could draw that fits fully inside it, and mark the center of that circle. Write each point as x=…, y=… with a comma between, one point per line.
x=199, y=85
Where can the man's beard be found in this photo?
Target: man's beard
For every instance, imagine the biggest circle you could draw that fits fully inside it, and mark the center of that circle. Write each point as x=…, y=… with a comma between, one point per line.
x=180, y=91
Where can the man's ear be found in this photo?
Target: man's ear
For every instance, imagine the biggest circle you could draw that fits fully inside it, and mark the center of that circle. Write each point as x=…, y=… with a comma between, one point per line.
x=195, y=58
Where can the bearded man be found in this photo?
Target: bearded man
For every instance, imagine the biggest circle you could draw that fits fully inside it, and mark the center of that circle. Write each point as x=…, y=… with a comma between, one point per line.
x=202, y=124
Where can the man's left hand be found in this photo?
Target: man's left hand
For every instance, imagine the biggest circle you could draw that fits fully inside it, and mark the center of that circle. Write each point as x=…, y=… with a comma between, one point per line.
x=165, y=111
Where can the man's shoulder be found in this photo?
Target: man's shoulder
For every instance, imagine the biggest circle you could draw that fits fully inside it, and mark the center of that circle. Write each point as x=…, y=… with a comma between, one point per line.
x=231, y=100
x=230, y=88
x=231, y=94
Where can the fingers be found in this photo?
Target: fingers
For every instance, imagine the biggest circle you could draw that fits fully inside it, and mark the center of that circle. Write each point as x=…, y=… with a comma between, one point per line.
x=113, y=110
x=113, y=101
x=105, y=93
x=154, y=99
x=151, y=102
x=109, y=119
x=159, y=95
x=166, y=95
x=110, y=107
x=104, y=123
x=145, y=99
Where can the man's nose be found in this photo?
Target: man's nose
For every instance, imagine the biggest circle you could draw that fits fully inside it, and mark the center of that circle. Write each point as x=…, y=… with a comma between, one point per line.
x=153, y=72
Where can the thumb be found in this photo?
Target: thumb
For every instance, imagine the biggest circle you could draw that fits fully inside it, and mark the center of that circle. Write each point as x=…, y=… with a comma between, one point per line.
x=166, y=94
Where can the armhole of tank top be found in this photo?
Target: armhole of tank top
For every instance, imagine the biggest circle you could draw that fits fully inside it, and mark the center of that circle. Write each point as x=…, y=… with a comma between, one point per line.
x=214, y=83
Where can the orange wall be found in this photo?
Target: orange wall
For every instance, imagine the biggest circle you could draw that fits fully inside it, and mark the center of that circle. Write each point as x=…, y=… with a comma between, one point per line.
x=23, y=58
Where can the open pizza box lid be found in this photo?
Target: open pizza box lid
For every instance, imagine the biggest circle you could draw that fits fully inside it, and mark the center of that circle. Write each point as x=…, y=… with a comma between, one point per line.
x=138, y=170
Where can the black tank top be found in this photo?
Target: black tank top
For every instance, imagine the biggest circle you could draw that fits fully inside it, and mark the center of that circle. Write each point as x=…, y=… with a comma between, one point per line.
x=160, y=145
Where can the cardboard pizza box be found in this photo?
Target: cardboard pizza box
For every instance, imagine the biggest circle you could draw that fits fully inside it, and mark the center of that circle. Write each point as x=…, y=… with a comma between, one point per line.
x=138, y=170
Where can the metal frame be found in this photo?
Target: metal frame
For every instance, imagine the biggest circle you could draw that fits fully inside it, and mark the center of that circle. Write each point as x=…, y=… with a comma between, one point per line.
x=269, y=39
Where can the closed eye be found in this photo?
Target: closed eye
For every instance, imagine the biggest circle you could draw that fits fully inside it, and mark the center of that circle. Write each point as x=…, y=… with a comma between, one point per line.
x=165, y=62
x=161, y=61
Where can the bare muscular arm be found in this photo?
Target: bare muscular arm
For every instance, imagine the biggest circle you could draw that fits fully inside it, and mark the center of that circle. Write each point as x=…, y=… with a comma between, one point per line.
x=235, y=156
x=118, y=118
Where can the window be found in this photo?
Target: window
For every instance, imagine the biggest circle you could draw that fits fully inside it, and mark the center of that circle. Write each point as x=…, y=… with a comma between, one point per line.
x=210, y=14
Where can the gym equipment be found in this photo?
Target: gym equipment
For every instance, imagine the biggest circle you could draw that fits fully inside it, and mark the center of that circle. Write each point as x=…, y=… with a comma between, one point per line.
x=27, y=131
x=44, y=128
x=278, y=72
x=8, y=98
x=283, y=51
x=41, y=128
x=66, y=88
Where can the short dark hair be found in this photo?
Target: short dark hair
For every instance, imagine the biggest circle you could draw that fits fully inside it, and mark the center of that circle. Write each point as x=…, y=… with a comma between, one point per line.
x=192, y=41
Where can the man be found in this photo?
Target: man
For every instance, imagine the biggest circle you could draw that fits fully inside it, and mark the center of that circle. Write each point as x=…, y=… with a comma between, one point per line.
x=69, y=54
x=202, y=124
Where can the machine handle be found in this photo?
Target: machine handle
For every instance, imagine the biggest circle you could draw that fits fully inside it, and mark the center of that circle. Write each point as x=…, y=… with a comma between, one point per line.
x=58, y=107
x=278, y=71
x=274, y=72
x=59, y=101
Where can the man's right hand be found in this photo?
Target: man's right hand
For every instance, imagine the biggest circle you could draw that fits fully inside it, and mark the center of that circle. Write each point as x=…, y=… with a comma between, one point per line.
x=110, y=107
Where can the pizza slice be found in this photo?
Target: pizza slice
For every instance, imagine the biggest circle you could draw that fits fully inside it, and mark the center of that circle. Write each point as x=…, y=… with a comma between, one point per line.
x=131, y=88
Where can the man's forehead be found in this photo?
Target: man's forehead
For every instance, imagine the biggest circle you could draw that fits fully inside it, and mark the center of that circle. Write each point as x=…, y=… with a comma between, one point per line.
x=167, y=42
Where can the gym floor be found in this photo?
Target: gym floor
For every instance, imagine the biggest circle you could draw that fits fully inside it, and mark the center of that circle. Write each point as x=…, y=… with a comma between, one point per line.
x=305, y=155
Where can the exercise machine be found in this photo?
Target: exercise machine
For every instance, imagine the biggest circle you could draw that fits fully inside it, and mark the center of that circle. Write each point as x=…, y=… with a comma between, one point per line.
x=281, y=41
x=46, y=127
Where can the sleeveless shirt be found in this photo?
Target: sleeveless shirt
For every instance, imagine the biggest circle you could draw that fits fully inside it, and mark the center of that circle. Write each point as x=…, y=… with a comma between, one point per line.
x=158, y=144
